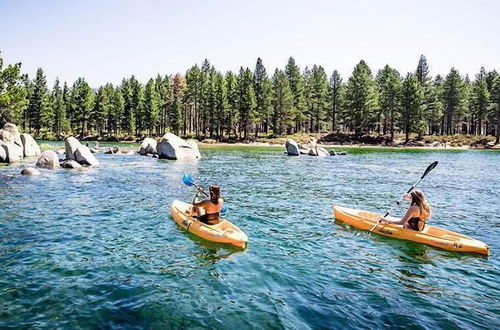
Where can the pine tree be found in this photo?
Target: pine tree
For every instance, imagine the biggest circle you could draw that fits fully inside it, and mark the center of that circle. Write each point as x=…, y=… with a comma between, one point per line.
x=434, y=99
x=137, y=104
x=102, y=107
x=82, y=102
x=318, y=97
x=66, y=95
x=422, y=72
x=61, y=123
x=232, y=102
x=175, y=114
x=389, y=88
x=151, y=106
x=361, y=98
x=480, y=100
x=221, y=103
x=296, y=81
x=454, y=102
x=496, y=100
x=412, y=97
x=117, y=112
x=246, y=100
x=40, y=110
x=192, y=97
x=283, y=103
x=127, y=123
x=13, y=94
x=164, y=90
x=262, y=88
x=335, y=92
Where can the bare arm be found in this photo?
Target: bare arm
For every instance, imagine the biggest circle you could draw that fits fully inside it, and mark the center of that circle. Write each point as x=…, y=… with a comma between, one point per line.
x=201, y=204
x=412, y=210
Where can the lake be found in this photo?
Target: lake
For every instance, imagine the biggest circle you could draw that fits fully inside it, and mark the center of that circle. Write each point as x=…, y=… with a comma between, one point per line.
x=98, y=248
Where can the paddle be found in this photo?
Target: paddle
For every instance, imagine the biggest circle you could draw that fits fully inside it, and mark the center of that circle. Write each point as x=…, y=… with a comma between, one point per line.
x=188, y=181
x=428, y=169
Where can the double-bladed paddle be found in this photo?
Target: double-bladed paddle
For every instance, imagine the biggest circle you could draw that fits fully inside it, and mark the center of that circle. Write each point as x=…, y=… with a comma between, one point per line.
x=188, y=181
x=427, y=170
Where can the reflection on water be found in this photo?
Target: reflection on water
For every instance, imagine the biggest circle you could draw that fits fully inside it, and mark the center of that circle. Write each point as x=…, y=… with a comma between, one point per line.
x=98, y=249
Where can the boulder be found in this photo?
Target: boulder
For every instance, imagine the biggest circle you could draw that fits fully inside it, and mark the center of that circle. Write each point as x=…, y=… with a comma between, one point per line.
x=113, y=150
x=318, y=151
x=70, y=164
x=13, y=152
x=30, y=171
x=292, y=148
x=3, y=154
x=30, y=147
x=93, y=150
x=12, y=129
x=173, y=147
x=148, y=146
x=48, y=159
x=71, y=145
x=85, y=157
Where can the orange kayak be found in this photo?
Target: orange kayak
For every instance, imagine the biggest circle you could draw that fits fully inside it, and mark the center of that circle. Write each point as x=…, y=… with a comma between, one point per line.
x=223, y=232
x=431, y=235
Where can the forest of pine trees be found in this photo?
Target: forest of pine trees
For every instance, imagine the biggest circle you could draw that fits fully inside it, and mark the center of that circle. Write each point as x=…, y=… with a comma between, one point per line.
x=206, y=103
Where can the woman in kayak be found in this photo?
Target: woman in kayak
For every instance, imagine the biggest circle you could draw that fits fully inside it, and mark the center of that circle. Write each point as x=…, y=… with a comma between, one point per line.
x=211, y=205
x=416, y=215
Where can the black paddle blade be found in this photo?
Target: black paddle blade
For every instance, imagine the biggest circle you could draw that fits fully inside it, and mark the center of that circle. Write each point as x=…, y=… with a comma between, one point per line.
x=429, y=168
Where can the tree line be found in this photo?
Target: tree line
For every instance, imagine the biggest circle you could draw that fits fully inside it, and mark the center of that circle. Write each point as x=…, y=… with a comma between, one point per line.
x=206, y=103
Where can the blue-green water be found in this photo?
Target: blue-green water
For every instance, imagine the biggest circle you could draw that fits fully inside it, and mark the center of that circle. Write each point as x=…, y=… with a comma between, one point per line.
x=98, y=249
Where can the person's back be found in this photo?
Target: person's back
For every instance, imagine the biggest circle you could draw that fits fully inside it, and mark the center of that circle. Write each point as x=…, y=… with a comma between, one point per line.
x=416, y=215
x=211, y=205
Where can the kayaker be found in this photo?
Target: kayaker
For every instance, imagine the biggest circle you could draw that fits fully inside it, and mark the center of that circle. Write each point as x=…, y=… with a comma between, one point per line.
x=416, y=215
x=212, y=206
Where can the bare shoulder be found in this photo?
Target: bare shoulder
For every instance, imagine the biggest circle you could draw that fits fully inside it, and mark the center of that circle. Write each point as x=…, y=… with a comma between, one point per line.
x=414, y=209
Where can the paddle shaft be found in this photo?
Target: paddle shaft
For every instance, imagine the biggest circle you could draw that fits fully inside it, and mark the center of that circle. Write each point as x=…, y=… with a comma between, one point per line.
x=397, y=203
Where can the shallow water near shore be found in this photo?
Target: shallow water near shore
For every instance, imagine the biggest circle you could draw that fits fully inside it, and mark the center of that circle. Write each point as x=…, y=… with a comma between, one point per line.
x=98, y=249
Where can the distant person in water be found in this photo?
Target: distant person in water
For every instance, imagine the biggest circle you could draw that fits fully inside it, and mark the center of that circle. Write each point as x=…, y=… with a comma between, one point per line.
x=416, y=215
x=212, y=206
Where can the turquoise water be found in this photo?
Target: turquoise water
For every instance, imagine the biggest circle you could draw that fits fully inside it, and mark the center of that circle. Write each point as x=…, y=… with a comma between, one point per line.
x=98, y=249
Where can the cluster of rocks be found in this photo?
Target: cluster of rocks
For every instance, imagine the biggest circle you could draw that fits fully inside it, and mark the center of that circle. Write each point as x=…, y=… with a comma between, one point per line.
x=170, y=146
x=14, y=146
x=295, y=149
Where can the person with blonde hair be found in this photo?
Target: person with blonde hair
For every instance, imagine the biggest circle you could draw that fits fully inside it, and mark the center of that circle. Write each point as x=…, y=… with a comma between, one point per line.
x=416, y=215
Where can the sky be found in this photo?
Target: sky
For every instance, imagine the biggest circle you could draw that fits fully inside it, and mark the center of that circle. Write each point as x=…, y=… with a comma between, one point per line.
x=106, y=40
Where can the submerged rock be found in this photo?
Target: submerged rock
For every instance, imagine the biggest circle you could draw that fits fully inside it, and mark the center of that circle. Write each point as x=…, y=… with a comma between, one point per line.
x=48, y=159
x=318, y=151
x=30, y=147
x=30, y=171
x=84, y=156
x=173, y=147
x=292, y=148
x=148, y=146
x=70, y=164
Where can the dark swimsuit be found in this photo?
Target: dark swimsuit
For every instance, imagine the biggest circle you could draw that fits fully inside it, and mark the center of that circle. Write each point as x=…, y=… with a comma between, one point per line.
x=210, y=219
x=414, y=222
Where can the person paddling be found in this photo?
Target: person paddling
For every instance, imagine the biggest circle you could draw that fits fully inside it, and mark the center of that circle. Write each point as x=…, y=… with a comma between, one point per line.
x=212, y=206
x=416, y=215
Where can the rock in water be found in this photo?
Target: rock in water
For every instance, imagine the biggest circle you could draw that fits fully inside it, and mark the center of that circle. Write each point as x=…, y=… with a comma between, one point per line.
x=71, y=144
x=173, y=147
x=85, y=157
x=70, y=164
x=292, y=148
x=12, y=129
x=318, y=151
x=48, y=159
x=31, y=148
x=3, y=154
x=148, y=146
x=30, y=171
x=13, y=152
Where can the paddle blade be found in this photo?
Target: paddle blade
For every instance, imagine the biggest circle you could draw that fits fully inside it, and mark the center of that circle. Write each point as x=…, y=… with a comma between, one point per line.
x=223, y=209
x=188, y=180
x=429, y=168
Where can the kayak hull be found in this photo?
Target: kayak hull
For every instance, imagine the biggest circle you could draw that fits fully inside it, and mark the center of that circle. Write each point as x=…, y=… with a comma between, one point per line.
x=223, y=232
x=431, y=235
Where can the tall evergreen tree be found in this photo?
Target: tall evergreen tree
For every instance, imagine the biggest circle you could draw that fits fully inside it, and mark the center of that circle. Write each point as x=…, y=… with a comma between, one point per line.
x=232, y=102
x=61, y=123
x=318, y=97
x=283, y=102
x=454, y=101
x=102, y=106
x=296, y=81
x=40, y=110
x=335, y=93
x=82, y=102
x=262, y=88
x=137, y=104
x=116, y=117
x=389, y=87
x=480, y=100
x=361, y=98
x=246, y=100
x=175, y=115
x=128, y=119
x=151, y=106
x=412, y=97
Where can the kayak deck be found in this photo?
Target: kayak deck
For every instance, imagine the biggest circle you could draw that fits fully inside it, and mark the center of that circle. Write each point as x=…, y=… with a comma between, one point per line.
x=431, y=235
x=222, y=232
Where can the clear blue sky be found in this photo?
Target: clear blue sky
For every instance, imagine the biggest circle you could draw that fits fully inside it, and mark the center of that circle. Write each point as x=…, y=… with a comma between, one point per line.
x=104, y=41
